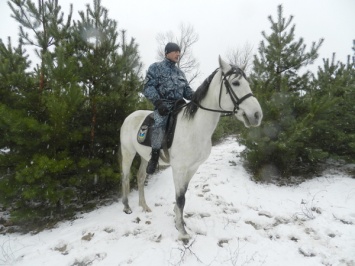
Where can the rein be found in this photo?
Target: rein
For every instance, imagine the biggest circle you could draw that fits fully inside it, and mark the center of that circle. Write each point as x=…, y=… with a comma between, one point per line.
x=234, y=98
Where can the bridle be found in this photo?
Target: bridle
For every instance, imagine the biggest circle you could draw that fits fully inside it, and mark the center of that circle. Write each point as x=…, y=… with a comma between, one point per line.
x=234, y=98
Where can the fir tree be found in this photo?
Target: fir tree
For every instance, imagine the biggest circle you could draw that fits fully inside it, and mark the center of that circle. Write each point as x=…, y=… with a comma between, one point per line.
x=334, y=131
x=279, y=146
x=16, y=123
x=45, y=23
x=37, y=160
x=108, y=72
x=62, y=135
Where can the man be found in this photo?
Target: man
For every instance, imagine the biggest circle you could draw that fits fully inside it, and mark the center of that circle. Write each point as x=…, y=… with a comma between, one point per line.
x=164, y=84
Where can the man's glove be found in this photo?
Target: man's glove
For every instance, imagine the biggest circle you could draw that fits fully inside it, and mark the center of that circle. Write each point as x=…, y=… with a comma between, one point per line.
x=161, y=107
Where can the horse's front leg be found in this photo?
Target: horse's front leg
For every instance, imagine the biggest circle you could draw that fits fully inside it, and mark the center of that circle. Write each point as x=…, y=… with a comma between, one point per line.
x=141, y=180
x=181, y=181
x=179, y=215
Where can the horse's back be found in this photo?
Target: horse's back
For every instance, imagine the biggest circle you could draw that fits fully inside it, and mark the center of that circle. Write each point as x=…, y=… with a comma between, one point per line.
x=129, y=130
x=134, y=120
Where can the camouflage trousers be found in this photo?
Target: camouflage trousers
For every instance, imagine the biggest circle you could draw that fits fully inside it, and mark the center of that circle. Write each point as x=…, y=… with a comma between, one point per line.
x=158, y=130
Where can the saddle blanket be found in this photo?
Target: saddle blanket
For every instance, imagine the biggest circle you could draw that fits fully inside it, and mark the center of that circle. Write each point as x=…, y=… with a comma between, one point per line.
x=145, y=131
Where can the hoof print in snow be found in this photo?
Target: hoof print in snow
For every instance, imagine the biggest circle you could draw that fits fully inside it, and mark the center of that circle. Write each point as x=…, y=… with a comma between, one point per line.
x=312, y=233
x=135, y=232
x=88, y=236
x=332, y=235
x=255, y=225
x=205, y=188
x=230, y=210
x=204, y=215
x=265, y=213
x=316, y=210
x=156, y=238
x=222, y=242
x=280, y=220
x=90, y=259
x=188, y=214
x=344, y=221
x=295, y=239
x=62, y=248
x=274, y=237
x=306, y=252
x=208, y=198
x=232, y=163
x=109, y=230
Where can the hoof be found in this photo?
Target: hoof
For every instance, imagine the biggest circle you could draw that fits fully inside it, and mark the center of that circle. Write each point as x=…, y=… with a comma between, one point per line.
x=127, y=210
x=185, y=238
x=145, y=208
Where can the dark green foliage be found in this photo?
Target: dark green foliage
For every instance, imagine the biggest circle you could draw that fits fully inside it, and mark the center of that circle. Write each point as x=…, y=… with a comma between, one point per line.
x=334, y=131
x=307, y=119
x=280, y=147
x=60, y=124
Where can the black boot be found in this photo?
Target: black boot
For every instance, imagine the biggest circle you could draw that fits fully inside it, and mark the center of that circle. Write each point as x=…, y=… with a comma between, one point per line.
x=153, y=162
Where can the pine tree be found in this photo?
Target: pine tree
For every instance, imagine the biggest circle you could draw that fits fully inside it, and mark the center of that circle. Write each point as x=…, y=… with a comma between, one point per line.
x=16, y=123
x=45, y=23
x=108, y=72
x=278, y=147
x=334, y=131
x=62, y=132
x=37, y=160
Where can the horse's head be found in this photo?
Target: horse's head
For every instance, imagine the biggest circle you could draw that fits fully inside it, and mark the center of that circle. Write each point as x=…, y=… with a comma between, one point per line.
x=236, y=95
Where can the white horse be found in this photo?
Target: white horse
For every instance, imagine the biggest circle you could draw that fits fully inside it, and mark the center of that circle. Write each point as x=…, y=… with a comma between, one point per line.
x=228, y=92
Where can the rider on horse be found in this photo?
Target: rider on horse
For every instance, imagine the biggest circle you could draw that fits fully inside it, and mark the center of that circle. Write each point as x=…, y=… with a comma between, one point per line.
x=164, y=84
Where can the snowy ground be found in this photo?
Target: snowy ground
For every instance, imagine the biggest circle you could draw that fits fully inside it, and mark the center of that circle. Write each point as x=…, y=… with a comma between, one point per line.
x=232, y=220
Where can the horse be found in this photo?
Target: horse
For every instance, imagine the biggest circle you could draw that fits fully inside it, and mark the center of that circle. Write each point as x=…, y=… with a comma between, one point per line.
x=226, y=91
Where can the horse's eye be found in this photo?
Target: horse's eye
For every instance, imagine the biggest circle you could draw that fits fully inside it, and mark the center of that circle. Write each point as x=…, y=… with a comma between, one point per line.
x=236, y=83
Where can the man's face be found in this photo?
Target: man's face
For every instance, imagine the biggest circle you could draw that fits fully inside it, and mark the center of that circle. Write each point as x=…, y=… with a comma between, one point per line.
x=173, y=56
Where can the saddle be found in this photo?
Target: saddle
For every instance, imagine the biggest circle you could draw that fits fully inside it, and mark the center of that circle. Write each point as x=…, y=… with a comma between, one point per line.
x=145, y=130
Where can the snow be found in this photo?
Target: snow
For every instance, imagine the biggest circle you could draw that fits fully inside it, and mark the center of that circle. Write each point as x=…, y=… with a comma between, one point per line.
x=232, y=221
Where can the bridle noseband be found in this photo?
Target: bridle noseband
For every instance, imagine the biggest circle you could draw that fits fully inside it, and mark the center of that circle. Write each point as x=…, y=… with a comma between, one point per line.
x=234, y=98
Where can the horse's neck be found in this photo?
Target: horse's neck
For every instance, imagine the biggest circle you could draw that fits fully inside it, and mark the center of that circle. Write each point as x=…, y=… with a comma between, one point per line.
x=208, y=120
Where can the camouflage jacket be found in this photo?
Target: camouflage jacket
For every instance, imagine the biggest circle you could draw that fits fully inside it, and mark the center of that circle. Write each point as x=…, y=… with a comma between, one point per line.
x=165, y=81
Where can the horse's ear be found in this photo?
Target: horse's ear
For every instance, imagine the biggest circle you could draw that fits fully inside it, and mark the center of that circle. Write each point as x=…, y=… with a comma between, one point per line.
x=223, y=65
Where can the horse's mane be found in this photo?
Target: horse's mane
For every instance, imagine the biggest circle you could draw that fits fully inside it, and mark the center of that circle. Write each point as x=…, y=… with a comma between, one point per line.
x=199, y=94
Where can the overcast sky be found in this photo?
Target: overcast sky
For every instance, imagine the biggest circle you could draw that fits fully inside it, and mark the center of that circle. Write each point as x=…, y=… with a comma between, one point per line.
x=222, y=25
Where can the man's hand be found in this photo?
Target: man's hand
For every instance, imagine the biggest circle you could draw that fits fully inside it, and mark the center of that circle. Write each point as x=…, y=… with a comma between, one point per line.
x=161, y=107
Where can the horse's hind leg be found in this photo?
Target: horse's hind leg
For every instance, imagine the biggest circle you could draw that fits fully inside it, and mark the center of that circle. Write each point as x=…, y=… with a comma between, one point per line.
x=126, y=162
x=141, y=180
